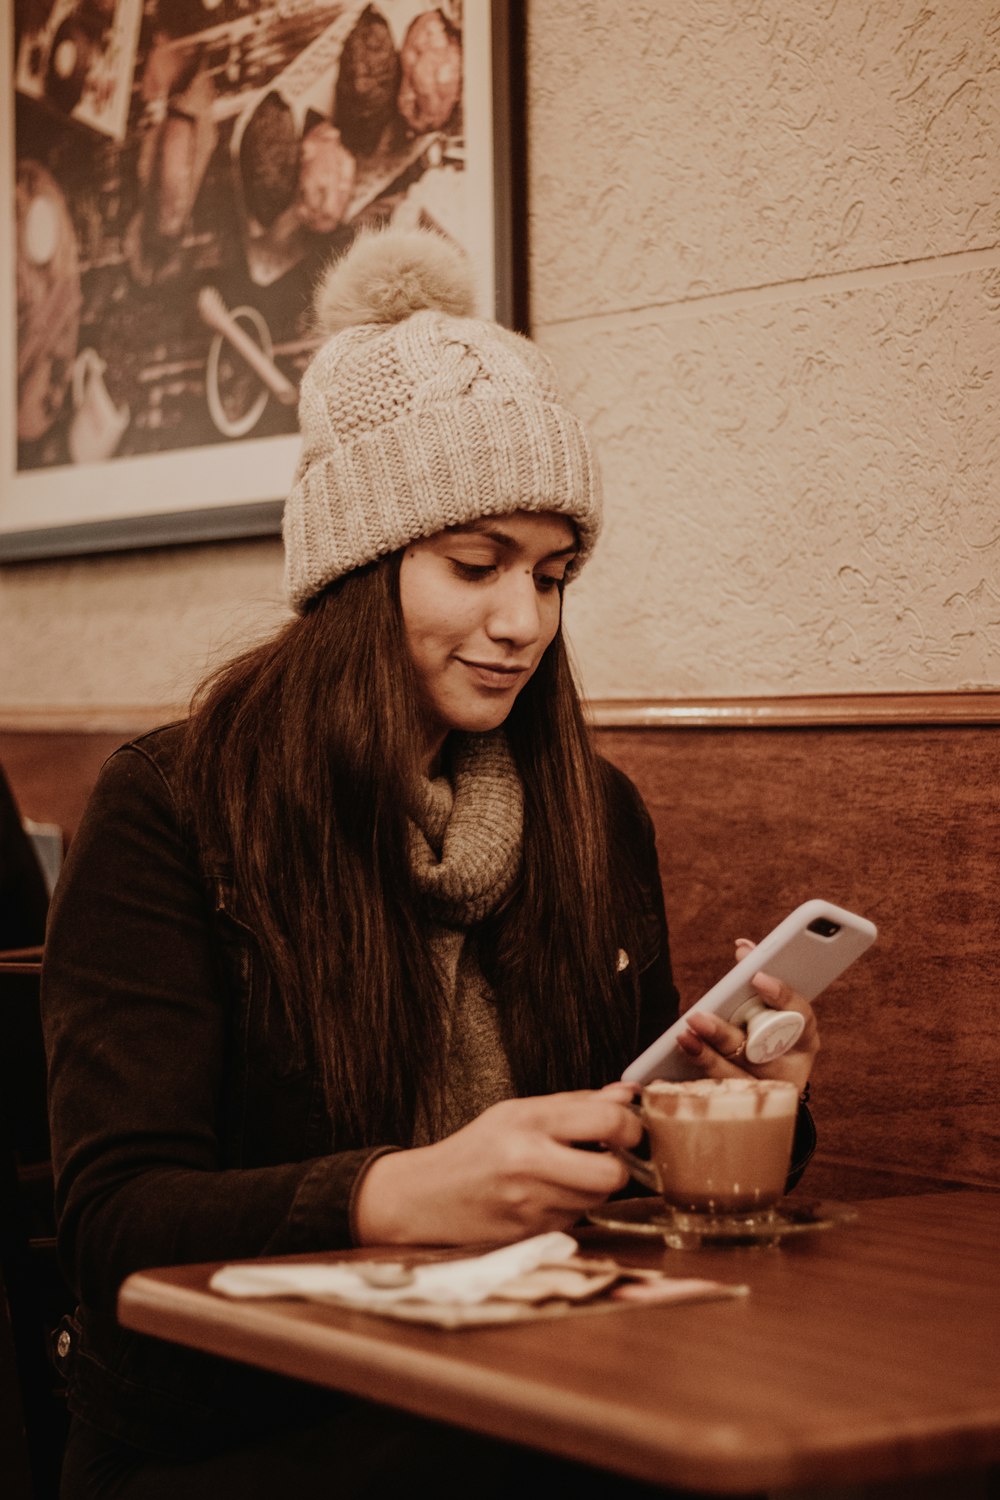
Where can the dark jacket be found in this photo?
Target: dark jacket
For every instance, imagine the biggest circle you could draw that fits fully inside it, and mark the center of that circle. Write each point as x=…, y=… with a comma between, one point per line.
x=181, y=1132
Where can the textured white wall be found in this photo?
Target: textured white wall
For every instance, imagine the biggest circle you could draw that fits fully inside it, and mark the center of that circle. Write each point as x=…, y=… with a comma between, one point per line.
x=123, y=639
x=765, y=254
x=765, y=257
x=802, y=493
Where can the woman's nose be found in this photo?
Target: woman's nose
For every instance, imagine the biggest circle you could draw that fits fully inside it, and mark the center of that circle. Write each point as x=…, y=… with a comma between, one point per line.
x=515, y=615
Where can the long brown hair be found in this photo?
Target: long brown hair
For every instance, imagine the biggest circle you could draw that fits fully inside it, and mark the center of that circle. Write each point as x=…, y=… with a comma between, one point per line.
x=300, y=758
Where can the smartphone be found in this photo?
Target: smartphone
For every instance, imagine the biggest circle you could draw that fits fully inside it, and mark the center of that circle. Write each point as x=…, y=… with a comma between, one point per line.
x=807, y=951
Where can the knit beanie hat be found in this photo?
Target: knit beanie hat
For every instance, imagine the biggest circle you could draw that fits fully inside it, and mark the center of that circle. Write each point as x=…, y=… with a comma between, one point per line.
x=417, y=416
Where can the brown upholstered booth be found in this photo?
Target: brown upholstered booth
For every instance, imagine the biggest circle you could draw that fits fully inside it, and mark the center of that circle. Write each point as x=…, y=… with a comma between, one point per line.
x=890, y=806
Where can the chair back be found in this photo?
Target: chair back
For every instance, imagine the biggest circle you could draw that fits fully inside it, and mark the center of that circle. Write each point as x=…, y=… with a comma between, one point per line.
x=33, y=1294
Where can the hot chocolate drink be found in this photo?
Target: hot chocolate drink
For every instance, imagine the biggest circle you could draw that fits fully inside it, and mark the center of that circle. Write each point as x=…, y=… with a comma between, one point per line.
x=720, y=1146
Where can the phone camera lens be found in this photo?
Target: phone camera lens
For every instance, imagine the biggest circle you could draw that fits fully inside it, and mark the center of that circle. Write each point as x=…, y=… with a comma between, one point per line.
x=823, y=927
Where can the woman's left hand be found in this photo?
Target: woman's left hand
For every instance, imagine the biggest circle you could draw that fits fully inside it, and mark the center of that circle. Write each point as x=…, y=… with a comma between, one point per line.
x=715, y=1046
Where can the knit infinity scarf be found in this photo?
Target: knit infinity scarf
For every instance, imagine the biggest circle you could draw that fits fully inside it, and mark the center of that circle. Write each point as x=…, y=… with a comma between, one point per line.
x=465, y=849
x=465, y=845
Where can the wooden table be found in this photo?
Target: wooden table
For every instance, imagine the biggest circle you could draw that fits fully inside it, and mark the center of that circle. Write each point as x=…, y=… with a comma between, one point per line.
x=864, y=1352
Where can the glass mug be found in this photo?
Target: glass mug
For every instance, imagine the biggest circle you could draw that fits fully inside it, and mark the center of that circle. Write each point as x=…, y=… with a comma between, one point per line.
x=720, y=1152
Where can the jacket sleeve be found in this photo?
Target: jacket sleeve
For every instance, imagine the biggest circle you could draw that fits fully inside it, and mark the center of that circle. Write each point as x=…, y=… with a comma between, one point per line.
x=138, y=1036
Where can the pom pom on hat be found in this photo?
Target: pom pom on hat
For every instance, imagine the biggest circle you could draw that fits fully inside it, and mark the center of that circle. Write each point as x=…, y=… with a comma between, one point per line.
x=417, y=416
x=387, y=275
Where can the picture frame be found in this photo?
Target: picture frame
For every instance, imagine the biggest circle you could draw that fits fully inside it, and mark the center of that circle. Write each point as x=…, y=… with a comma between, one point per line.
x=178, y=188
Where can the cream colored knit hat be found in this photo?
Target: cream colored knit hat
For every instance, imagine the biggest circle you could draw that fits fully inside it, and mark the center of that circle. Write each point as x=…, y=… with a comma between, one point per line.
x=416, y=416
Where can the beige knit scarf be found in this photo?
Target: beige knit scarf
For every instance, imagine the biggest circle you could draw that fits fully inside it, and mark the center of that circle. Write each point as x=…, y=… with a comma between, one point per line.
x=465, y=851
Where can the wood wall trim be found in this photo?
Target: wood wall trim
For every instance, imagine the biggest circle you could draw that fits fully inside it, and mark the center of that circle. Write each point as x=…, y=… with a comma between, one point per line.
x=828, y=710
x=606, y=713
x=95, y=718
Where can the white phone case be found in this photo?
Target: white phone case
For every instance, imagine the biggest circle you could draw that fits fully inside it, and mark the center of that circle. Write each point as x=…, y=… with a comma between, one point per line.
x=807, y=951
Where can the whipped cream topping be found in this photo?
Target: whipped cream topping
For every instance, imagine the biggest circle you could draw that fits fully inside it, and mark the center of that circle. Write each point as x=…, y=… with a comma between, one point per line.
x=722, y=1098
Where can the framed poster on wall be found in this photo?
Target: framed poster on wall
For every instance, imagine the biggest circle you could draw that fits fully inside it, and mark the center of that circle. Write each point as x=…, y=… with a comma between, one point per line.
x=180, y=171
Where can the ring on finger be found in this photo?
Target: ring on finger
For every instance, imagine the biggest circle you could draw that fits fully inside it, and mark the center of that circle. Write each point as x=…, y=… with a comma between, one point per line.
x=733, y=1056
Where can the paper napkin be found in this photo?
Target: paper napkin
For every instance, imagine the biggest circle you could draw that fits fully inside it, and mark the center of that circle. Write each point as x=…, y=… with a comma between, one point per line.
x=539, y=1277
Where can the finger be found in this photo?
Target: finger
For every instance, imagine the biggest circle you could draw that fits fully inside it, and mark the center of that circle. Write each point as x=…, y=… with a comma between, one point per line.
x=712, y=1064
x=622, y=1128
x=587, y=1116
x=779, y=996
x=541, y=1170
x=708, y=1060
x=583, y=1177
x=536, y=1108
x=620, y=1091
x=726, y=1038
x=591, y=1175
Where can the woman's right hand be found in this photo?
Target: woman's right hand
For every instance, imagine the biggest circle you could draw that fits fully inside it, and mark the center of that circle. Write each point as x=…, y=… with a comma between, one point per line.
x=512, y=1172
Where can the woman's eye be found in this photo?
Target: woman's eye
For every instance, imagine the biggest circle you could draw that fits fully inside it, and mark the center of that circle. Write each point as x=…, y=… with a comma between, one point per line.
x=472, y=572
x=546, y=582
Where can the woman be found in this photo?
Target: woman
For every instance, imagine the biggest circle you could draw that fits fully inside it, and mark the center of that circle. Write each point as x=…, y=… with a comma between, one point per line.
x=351, y=955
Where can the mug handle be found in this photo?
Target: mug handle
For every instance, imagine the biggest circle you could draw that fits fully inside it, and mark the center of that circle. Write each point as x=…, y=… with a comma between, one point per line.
x=642, y=1171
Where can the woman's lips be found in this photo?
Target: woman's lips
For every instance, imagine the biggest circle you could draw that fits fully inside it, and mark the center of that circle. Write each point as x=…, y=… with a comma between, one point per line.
x=493, y=675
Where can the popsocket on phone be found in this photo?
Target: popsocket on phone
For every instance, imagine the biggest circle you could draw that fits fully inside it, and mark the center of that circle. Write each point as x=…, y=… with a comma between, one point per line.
x=770, y=1033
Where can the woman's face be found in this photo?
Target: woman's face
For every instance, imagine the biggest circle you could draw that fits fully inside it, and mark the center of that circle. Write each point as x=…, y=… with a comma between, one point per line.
x=480, y=605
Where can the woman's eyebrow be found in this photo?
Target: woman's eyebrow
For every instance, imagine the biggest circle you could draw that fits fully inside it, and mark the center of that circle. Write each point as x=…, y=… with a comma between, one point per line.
x=504, y=539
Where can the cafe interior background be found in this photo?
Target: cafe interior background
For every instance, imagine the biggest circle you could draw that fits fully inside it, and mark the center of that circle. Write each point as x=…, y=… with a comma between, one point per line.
x=763, y=250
